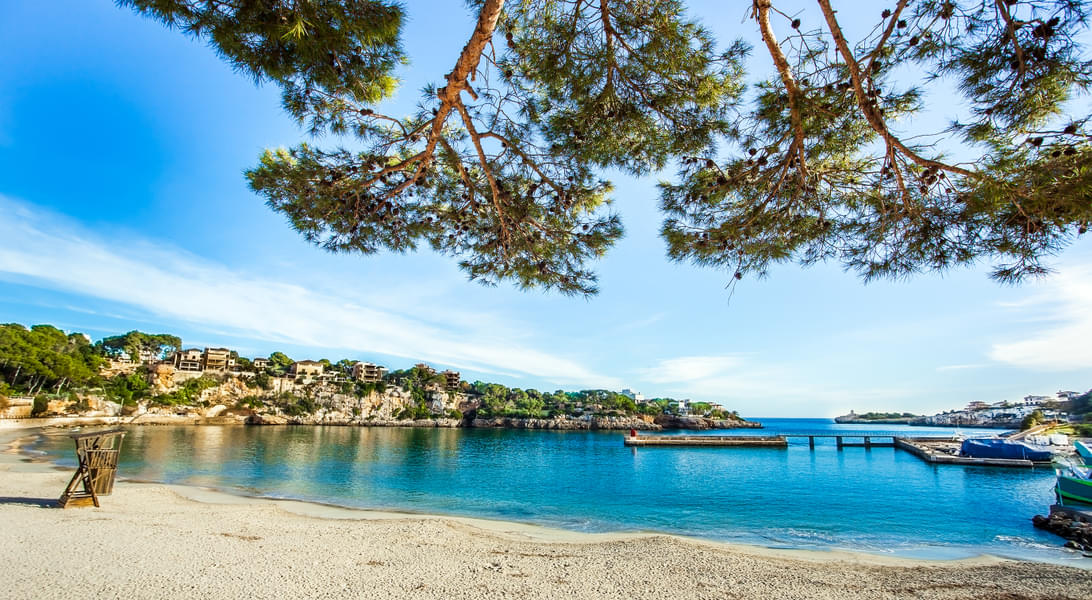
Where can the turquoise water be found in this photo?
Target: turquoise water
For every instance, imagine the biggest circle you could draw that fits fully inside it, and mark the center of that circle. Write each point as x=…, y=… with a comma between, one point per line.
x=879, y=500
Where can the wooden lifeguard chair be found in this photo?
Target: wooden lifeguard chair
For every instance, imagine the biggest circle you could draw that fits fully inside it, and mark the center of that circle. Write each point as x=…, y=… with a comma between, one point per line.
x=98, y=453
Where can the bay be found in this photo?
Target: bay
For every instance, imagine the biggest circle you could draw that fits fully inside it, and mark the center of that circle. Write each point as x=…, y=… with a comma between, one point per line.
x=880, y=500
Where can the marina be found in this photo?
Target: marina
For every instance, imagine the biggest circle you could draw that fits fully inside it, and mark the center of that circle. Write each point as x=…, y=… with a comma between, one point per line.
x=934, y=449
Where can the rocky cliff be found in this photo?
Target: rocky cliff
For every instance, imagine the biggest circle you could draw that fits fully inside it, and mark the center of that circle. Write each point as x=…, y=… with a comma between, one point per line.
x=694, y=422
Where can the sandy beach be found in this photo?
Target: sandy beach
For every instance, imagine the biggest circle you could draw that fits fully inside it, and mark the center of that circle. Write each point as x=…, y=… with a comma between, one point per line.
x=156, y=541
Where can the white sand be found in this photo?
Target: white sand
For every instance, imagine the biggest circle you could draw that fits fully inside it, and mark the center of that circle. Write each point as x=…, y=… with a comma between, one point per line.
x=156, y=541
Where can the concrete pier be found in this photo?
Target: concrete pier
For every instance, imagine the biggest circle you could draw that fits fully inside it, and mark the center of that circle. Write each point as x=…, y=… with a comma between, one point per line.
x=738, y=441
x=924, y=448
x=916, y=447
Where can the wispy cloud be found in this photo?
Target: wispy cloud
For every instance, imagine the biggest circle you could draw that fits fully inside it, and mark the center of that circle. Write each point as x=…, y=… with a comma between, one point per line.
x=757, y=383
x=47, y=251
x=1063, y=311
x=960, y=367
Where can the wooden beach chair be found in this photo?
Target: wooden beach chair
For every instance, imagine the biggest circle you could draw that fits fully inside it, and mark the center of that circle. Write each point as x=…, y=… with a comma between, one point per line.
x=98, y=453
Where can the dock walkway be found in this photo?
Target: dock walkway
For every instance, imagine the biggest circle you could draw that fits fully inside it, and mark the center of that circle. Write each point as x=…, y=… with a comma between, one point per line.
x=777, y=441
x=928, y=449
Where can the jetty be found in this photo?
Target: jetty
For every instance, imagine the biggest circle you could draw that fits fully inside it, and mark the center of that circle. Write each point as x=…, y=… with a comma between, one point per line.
x=935, y=450
x=766, y=441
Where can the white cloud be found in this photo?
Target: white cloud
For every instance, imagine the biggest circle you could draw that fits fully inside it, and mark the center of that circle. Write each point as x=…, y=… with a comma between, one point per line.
x=1063, y=312
x=48, y=252
x=960, y=367
x=690, y=369
x=755, y=386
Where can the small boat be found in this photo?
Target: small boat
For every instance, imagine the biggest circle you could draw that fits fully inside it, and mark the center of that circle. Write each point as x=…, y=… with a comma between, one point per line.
x=996, y=448
x=1084, y=450
x=1074, y=487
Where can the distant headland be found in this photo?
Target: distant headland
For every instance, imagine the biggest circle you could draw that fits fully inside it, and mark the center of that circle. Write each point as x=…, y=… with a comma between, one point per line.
x=1017, y=414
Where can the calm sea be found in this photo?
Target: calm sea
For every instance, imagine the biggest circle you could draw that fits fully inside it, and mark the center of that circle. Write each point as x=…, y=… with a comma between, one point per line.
x=879, y=500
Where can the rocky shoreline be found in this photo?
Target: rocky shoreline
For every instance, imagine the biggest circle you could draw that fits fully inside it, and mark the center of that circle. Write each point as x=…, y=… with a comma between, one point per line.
x=1077, y=530
x=609, y=423
x=850, y=421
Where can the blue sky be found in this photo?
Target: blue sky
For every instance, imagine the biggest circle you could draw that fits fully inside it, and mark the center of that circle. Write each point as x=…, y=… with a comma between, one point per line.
x=123, y=205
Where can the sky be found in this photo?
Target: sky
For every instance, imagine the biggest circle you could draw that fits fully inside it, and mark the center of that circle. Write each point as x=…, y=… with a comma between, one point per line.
x=123, y=206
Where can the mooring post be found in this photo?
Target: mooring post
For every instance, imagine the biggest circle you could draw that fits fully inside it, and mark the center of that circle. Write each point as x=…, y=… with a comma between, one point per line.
x=839, y=440
x=811, y=442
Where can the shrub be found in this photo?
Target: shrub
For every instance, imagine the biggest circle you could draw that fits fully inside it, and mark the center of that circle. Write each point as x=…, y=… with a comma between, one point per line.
x=454, y=414
x=41, y=405
x=1032, y=420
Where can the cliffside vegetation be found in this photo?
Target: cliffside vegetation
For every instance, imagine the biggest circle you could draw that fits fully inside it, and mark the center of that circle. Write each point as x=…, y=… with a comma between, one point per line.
x=50, y=365
x=45, y=359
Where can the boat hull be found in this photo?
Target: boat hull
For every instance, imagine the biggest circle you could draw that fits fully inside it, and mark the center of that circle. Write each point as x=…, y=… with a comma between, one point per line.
x=1074, y=491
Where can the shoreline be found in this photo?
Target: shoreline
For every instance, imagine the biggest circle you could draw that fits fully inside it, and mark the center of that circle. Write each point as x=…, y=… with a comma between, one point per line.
x=10, y=450
x=258, y=547
x=556, y=424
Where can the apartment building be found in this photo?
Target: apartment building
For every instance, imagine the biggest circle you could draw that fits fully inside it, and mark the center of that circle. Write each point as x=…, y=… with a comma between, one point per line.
x=188, y=360
x=307, y=368
x=368, y=372
x=451, y=379
x=218, y=359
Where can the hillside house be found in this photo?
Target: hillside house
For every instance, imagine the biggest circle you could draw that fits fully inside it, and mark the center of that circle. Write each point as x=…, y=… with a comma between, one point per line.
x=451, y=379
x=307, y=368
x=218, y=359
x=368, y=372
x=190, y=359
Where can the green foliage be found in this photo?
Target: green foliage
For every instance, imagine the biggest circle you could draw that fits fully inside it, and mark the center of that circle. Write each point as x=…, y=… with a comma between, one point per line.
x=818, y=171
x=871, y=416
x=455, y=414
x=1035, y=418
x=501, y=177
x=250, y=402
x=311, y=49
x=622, y=84
x=1081, y=406
x=417, y=410
x=296, y=407
x=41, y=405
x=126, y=390
x=136, y=342
x=44, y=356
x=262, y=380
x=279, y=363
x=188, y=393
x=497, y=166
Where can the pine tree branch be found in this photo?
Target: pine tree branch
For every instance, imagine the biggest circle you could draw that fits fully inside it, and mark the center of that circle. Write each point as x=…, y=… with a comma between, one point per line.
x=870, y=113
x=484, y=161
x=459, y=77
x=610, y=34
x=762, y=15
x=891, y=25
x=1003, y=10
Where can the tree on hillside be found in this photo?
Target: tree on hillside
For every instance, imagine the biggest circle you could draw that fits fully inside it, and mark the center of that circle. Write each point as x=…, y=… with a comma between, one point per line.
x=45, y=357
x=136, y=343
x=279, y=363
x=498, y=165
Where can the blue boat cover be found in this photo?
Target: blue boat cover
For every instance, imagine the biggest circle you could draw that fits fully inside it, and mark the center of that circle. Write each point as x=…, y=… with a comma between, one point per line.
x=985, y=448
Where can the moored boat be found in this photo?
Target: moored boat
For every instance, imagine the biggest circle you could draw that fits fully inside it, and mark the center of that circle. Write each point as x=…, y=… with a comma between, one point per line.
x=1074, y=487
x=1084, y=450
x=997, y=448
